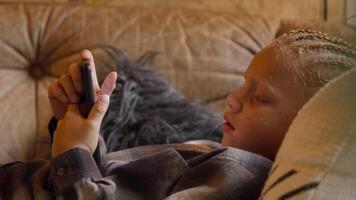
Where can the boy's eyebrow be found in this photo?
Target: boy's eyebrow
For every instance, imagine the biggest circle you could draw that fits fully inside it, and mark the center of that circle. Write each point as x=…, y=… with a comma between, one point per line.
x=270, y=89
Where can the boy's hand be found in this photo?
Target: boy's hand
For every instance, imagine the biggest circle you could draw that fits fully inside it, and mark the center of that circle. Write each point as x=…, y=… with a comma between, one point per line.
x=68, y=88
x=76, y=131
x=73, y=130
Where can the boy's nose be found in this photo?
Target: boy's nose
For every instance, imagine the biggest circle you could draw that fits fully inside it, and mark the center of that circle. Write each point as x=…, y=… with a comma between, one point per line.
x=235, y=103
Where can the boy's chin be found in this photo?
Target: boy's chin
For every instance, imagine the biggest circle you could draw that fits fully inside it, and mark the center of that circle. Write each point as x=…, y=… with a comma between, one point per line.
x=230, y=140
x=227, y=142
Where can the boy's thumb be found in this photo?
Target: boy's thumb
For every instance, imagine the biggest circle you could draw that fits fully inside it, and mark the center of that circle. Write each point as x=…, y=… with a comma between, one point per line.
x=99, y=109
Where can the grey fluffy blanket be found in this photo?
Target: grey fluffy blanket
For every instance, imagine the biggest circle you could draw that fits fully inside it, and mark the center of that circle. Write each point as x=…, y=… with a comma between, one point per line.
x=146, y=109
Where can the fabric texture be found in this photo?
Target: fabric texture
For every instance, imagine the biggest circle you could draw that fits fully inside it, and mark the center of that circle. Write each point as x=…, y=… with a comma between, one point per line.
x=317, y=159
x=177, y=171
x=145, y=109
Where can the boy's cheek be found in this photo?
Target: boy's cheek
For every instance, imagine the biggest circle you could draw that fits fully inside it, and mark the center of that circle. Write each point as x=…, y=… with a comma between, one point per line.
x=253, y=134
x=251, y=129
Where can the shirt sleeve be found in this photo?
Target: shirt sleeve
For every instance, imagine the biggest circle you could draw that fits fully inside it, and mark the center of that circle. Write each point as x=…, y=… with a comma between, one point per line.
x=75, y=175
x=72, y=166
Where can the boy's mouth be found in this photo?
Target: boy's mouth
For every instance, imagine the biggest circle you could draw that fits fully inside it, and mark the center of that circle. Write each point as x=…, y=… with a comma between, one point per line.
x=227, y=126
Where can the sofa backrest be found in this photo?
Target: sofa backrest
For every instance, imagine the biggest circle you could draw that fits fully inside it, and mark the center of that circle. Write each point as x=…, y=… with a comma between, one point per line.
x=203, y=53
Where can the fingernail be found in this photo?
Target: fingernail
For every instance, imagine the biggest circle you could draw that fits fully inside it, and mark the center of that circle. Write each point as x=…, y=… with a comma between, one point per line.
x=86, y=54
x=104, y=99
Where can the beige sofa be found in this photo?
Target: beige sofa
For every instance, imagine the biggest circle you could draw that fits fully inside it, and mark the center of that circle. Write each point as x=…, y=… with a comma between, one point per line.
x=203, y=53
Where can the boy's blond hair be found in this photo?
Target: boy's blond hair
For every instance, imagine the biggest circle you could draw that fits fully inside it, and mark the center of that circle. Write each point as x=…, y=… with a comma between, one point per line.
x=316, y=56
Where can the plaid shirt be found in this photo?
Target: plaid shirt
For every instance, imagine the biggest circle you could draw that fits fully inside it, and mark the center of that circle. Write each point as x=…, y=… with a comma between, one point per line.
x=175, y=171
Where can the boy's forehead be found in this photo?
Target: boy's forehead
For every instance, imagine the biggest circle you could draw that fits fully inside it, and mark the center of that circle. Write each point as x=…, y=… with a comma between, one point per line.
x=265, y=64
x=270, y=67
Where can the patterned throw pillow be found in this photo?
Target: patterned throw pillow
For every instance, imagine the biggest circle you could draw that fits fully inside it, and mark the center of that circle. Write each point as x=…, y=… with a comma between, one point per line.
x=146, y=109
x=317, y=159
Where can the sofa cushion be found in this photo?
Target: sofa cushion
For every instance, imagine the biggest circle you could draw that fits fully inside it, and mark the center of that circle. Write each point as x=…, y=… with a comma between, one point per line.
x=203, y=53
x=317, y=157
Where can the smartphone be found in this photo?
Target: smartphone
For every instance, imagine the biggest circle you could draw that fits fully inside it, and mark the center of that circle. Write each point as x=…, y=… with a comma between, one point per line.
x=88, y=99
x=88, y=95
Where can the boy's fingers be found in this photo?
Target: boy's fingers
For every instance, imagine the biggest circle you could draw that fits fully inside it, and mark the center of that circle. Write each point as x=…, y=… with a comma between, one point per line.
x=73, y=108
x=109, y=84
x=67, y=84
x=76, y=75
x=86, y=54
x=99, y=109
x=55, y=91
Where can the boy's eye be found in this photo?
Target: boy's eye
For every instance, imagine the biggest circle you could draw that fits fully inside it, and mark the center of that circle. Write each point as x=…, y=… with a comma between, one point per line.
x=259, y=99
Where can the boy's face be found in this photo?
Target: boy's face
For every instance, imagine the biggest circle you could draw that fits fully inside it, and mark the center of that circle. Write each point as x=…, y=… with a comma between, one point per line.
x=261, y=111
